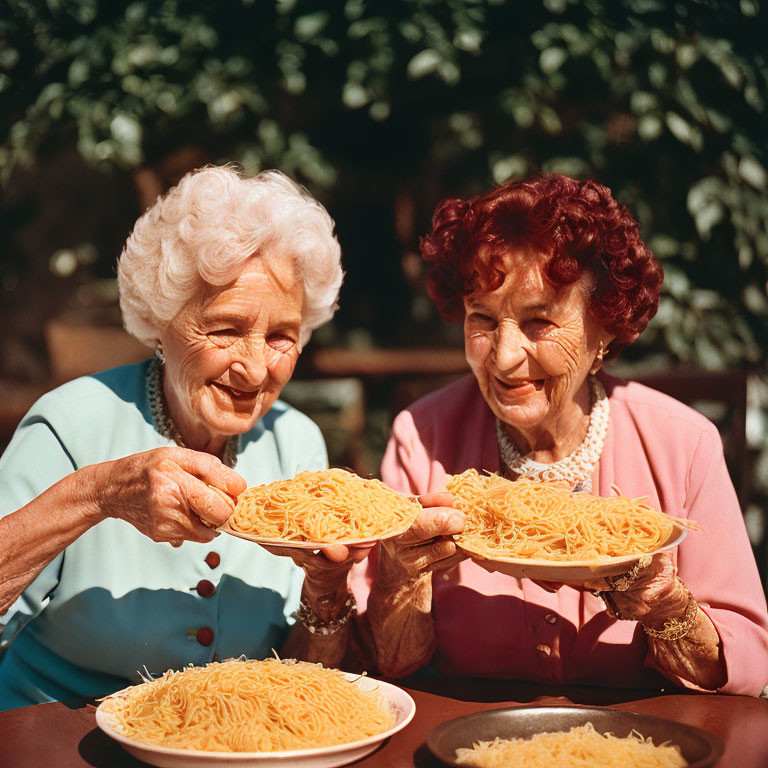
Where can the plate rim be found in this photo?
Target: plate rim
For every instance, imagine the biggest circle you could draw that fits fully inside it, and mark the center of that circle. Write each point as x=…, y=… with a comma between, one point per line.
x=715, y=742
x=299, y=544
x=606, y=561
x=105, y=719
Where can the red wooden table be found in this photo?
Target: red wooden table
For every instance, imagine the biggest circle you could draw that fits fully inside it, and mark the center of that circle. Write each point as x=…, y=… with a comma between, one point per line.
x=65, y=736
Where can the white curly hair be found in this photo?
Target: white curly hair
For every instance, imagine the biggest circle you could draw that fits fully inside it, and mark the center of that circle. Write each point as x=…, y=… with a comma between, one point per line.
x=207, y=227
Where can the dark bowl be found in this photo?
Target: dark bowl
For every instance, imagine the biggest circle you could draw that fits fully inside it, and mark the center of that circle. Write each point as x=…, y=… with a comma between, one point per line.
x=700, y=748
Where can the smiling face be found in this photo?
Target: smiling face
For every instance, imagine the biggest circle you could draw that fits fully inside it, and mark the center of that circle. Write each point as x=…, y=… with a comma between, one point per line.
x=530, y=345
x=230, y=351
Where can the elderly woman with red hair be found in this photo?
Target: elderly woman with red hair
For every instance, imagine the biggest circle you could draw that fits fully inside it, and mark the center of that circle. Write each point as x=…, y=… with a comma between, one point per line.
x=549, y=276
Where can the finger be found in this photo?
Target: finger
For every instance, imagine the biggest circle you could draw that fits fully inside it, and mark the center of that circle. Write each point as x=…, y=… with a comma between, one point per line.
x=432, y=522
x=187, y=525
x=436, y=499
x=230, y=501
x=448, y=564
x=357, y=553
x=336, y=553
x=304, y=558
x=210, y=470
x=209, y=505
x=595, y=585
x=423, y=558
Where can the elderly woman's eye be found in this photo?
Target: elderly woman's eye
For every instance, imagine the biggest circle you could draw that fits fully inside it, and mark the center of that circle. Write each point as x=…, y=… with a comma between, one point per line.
x=538, y=325
x=224, y=334
x=481, y=321
x=281, y=342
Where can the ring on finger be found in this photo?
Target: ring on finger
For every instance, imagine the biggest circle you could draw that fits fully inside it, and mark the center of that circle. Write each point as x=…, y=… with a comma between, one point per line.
x=623, y=581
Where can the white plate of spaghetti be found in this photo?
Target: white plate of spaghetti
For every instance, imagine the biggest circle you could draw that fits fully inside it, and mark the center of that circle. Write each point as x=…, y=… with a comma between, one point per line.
x=542, y=531
x=315, y=509
x=257, y=714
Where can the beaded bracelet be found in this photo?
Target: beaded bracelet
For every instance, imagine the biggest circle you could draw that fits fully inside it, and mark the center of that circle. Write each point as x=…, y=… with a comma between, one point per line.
x=315, y=625
x=676, y=629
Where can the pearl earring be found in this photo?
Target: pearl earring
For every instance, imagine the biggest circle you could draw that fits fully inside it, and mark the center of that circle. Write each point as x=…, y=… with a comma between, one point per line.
x=159, y=354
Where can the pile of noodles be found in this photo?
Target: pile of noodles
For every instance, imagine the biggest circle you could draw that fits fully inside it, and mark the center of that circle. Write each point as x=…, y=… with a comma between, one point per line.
x=539, y=520
x=250, y=706
x=581, y=747
x=325, y=506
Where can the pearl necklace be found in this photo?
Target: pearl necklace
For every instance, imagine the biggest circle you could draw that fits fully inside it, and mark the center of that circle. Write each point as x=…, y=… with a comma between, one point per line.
x=576, y=468
x=163, y=421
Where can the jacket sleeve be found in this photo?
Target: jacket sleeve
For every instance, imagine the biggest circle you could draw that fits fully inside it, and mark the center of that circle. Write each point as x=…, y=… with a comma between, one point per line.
x=406, y=465
x=717, y=565
x=35, y=459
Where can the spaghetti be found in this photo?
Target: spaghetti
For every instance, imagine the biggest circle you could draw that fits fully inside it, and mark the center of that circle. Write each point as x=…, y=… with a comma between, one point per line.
x=325, y=506
x=579, y=747
x=530, y=519
x=250, y=706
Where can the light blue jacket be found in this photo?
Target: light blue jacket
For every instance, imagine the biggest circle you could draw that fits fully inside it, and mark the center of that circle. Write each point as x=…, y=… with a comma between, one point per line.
x=115, y=602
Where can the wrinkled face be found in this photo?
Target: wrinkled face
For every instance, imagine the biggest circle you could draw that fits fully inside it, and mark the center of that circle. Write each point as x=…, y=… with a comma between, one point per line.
x=530, y=345
x=232, y=349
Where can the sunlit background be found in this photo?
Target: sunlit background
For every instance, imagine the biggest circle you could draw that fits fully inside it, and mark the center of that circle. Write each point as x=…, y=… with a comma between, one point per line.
x=382, y=109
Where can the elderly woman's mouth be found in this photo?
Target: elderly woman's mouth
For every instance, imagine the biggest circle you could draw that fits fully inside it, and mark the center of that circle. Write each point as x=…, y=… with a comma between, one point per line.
x=519, y=386
x=235, y=394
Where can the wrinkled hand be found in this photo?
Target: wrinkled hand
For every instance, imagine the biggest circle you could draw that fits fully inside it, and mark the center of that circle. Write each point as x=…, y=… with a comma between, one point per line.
x=427, y=545
x=169, y=494
x=326, y=568
x=655, y=594
x=654, y=590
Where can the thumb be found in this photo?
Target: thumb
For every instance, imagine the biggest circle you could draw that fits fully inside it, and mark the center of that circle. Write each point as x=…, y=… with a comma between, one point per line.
x=211, y=471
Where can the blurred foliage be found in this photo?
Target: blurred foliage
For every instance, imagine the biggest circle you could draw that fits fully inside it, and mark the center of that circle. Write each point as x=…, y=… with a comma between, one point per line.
x=664, y=102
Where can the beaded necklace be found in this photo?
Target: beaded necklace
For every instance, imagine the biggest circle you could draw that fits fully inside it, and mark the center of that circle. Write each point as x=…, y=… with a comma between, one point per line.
x=576, y=468
x=163, y=421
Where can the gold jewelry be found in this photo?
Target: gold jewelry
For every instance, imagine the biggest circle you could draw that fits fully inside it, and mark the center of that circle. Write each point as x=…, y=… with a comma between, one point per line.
x=676, y=629
x=620, y=583
x=602, y=350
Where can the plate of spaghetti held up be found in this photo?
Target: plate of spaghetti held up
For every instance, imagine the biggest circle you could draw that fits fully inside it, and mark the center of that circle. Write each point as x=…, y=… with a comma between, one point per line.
x=314, y=509
x=540, y=530
x=255, y=714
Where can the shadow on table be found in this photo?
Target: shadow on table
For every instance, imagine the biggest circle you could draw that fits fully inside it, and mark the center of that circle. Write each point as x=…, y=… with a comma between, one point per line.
x=481, y=690
x=423, y=758
x=99, y=751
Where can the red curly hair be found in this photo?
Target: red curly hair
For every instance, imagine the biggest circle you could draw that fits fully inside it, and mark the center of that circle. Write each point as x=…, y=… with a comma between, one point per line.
x=583, y=228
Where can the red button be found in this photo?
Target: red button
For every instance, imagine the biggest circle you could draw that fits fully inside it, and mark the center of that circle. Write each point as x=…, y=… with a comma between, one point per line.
x=213, y=559
x=204, y=636
x=205, y=588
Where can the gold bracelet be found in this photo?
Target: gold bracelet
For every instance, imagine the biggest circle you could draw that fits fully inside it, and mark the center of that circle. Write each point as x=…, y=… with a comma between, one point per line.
x=676, y=629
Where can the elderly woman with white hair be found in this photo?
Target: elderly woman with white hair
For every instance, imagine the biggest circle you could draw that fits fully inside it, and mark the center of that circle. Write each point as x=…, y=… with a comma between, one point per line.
x=113, y=483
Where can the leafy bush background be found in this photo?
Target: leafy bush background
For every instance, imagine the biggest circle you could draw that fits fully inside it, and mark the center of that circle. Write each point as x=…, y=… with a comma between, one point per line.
x=384, y=107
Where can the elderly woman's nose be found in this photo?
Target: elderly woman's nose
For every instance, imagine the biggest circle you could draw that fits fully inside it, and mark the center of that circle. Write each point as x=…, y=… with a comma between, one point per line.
x=250, y=371
x=510, y=348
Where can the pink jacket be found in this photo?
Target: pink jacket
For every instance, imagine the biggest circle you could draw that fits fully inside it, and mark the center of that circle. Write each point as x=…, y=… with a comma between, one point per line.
x=489, y=624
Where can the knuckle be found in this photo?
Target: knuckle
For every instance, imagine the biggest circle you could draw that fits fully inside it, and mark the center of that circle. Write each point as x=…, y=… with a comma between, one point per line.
x=213, y=511
x=440, y=549
x=420, y=563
